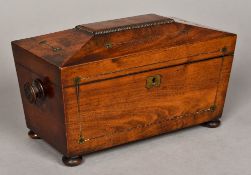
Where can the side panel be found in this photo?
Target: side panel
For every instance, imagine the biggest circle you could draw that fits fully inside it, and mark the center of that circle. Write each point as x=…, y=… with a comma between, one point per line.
x=122, y=109
x=45, y=118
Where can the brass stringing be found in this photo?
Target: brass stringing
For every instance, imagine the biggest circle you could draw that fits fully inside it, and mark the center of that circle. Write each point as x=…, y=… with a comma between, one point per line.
x=174, y=118
x=54, y=49
x=130, y=68
x=81, y=137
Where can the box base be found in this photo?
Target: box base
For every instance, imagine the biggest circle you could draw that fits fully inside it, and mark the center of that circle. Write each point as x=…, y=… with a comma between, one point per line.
x=77, y=160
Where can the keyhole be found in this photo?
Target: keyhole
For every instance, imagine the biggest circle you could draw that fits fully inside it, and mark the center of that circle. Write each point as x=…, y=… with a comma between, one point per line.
x=153, y=80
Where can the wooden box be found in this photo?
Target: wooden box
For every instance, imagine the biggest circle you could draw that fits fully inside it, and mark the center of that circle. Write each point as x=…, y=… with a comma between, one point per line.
x=104, y=84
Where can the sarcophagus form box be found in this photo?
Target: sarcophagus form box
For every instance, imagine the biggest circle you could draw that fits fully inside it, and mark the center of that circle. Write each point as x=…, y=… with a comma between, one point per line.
x=104, y=84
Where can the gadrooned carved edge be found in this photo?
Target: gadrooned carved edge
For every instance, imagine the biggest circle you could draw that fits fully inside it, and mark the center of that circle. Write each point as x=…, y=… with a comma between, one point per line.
x=126, y=27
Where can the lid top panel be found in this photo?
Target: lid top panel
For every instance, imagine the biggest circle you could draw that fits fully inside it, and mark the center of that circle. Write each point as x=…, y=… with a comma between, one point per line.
x=122, y=24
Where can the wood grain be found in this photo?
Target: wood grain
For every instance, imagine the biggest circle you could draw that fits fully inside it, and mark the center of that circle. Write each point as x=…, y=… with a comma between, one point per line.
x=145, y=39
x=194, y=63
x=116, y=105
x=148, y=60
x=78, y=47
x=45, y=118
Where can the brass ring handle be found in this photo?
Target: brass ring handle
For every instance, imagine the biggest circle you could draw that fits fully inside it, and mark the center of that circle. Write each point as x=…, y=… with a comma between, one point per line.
x=34, y=91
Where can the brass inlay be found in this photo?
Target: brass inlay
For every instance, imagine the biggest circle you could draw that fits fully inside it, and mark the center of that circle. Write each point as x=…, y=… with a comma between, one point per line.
x=108, y=45
x=174, y=118
x=153, y=81
x=81, y=137
x=130, y=68
x=224, y=50
x=54, y=49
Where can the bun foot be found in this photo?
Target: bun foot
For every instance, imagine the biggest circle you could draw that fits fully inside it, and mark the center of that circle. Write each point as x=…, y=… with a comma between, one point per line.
x=72, y=161
x=33, y=135
x=212, y=124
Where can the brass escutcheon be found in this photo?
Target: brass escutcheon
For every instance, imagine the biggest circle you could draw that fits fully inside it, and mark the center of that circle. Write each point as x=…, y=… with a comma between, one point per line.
x=153, y=81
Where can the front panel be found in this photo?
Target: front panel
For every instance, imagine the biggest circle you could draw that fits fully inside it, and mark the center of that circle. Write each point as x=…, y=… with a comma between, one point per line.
x=114, y=111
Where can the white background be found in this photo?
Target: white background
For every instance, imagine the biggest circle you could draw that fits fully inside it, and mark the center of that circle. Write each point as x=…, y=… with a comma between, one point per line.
x=202, y=151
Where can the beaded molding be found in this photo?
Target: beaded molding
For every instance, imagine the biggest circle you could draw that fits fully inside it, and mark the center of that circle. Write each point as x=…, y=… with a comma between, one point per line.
x=126, y=27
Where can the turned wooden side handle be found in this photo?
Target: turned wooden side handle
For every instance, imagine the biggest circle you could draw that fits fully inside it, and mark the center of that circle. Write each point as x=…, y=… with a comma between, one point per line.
x=34, y=91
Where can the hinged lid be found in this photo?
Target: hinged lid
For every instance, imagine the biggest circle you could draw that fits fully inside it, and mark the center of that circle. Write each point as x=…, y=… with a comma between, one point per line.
x=122, y=44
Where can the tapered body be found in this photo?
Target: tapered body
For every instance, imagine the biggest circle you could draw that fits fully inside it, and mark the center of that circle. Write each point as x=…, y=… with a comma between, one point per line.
x=104, y=84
